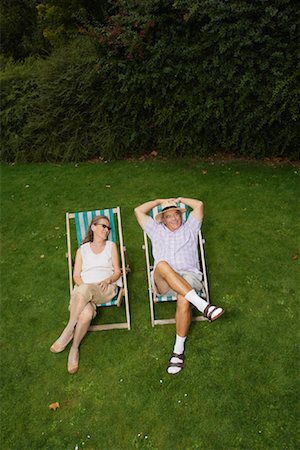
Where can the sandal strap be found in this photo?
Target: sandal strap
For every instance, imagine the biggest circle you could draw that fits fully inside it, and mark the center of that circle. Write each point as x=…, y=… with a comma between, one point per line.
x=209, y=314
x=179, y=364
x=177, y=355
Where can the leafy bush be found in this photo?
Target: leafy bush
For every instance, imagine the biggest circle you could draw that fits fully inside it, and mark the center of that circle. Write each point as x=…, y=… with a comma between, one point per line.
x=180, y=77
x=19, y=90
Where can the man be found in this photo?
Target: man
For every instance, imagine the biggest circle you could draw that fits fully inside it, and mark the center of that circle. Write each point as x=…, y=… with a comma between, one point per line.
x=176, y=264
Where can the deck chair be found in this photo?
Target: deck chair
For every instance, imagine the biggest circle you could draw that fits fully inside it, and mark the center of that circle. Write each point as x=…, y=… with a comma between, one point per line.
x=82, y=221
x=153, y=297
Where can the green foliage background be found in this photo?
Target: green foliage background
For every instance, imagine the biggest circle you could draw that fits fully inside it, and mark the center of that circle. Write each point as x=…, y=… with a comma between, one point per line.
x=179, y=77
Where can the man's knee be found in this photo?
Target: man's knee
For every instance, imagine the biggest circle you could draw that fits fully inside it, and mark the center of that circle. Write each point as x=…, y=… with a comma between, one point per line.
x=163, y=266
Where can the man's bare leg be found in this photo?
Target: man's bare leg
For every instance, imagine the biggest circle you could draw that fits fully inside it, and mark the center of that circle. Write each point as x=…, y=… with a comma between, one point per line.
x=166, y=278
x=183, y=316
x=183, y=321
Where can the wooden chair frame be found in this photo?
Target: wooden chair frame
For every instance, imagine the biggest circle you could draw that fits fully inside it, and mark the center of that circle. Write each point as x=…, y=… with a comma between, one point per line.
x=123, y=291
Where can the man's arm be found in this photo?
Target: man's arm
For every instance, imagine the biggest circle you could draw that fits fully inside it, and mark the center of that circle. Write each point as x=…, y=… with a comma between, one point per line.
x=196, y=205
x=141, y=212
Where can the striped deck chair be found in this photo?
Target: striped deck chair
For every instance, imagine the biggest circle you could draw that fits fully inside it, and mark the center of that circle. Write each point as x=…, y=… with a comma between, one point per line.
x=155, y=298
x=82, y=221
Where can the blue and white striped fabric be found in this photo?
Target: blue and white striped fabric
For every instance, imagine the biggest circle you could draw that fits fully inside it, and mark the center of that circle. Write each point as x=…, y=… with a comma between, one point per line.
x=172, y=298
x=112, y=302
x=83, y=220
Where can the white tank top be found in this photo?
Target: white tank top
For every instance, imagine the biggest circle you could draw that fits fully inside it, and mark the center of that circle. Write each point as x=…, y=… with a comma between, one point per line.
x=97, y=267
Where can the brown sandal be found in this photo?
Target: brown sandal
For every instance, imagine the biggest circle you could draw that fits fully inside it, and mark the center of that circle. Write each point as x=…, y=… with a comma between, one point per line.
x=176, y=364
x=208, y=315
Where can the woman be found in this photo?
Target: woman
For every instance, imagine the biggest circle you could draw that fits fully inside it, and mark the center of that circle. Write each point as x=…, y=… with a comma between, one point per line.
x=96, y=271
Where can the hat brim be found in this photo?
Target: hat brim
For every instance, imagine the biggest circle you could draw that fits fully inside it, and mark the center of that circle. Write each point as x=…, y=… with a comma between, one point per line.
x=158, y=216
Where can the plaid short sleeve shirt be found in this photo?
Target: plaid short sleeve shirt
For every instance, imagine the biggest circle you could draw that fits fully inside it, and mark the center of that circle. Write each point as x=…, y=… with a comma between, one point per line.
x=179, y=248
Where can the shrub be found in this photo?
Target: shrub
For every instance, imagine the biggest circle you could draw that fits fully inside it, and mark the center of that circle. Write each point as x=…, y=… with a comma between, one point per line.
x=181, y=77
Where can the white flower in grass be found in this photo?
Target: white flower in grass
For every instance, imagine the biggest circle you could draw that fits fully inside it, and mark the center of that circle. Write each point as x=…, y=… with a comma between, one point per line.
x=121, y=379
x=76, y=447
x=185, y=395
x=42, y=256
x=179, y=401
x=88, y=436
x=160, y=381
x=27, y=186
x=146, y=437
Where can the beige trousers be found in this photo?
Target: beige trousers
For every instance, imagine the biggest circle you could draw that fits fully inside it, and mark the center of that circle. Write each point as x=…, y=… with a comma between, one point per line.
x=93, y=293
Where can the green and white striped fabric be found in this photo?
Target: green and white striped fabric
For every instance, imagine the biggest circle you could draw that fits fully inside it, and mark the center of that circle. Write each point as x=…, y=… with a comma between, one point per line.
x=82, y=222
x=172, y=298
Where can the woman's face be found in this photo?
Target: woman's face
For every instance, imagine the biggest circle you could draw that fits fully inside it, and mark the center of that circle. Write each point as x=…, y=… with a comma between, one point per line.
x=101, y=229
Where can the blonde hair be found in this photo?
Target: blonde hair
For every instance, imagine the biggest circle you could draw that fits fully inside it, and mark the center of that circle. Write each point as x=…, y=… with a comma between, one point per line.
x=90, y=234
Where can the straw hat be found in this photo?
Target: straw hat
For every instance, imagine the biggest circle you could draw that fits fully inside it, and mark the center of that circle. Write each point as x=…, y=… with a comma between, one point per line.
x=168, y=205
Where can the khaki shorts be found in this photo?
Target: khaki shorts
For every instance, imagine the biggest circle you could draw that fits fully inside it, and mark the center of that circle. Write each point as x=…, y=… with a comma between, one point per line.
x=194, y=280
x=94, y=294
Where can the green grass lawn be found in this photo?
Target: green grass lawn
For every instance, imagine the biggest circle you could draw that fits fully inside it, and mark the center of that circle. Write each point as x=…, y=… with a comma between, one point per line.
x=238, y=389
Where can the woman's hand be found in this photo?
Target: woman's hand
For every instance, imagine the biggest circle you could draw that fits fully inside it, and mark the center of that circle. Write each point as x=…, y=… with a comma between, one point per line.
x=104, y=285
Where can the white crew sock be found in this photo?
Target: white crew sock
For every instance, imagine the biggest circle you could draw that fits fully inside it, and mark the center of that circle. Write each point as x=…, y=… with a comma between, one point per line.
x=179, y=344
x=179, y=349
x=195, y=300
x=201, y=304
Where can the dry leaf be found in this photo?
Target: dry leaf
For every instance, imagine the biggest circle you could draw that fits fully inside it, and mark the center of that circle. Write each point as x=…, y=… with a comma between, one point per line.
x=204, y=172
x=295, y=257
x=54, y=406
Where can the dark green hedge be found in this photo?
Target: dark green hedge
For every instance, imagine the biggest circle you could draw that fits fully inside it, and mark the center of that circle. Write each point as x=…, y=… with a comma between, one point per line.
x=181, y=77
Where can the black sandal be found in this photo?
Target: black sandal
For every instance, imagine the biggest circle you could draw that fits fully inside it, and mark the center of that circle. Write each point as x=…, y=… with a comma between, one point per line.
x=179, y=364
x=209, y=314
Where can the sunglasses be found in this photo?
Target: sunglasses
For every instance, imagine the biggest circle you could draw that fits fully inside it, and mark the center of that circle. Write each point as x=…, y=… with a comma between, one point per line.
x=104, y=226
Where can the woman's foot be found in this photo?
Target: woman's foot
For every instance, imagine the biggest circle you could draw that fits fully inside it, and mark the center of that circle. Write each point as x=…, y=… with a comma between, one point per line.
x=61, y=343
x=73, y=360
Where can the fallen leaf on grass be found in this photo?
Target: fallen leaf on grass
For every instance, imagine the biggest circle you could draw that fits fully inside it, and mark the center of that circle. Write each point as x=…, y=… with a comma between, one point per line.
x=54, y=406
x=295, y=257
x=204, y=172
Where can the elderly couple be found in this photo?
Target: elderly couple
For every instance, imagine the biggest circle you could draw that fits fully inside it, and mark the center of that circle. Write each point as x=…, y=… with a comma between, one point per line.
x=176, y=270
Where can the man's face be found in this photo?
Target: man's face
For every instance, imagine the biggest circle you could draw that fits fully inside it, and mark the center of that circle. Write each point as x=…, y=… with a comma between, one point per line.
x=172, y=220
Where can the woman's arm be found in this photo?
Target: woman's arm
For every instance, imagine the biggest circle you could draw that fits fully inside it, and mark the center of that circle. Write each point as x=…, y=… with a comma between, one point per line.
x=116, y=268
x=78, y=268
